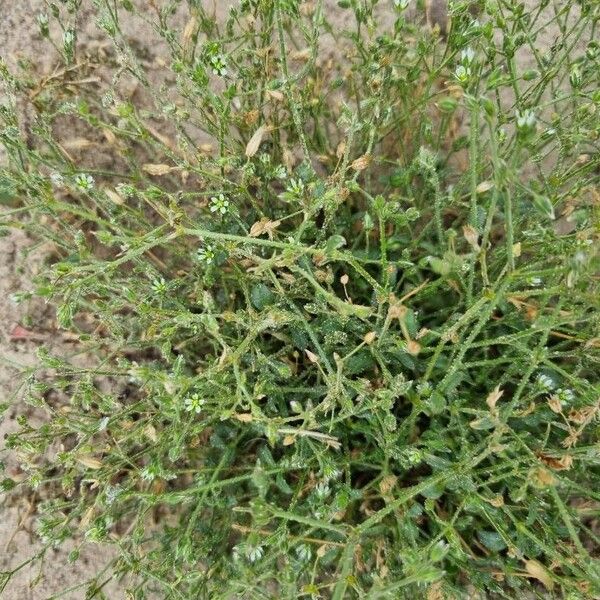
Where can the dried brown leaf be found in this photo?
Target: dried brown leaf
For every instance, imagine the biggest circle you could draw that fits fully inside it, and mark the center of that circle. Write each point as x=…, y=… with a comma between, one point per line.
x=90, y=462
x=413, y=347
x=77, y=144
x=116, y=198
x=150, y=432
x=387, y=483
x=188, y=36
x=564, y=463
x=370, y=337
x=264, y=226
x=539, y=572
x=484, y=186
x=434, y=591
x=110, y=137
x=156, y=170
x=493, y=397
x=361, y=163
x=312, y=356
x=255, y=141
x=542, y=478
x=244, y=417
x=275, y=95
x=471, y=236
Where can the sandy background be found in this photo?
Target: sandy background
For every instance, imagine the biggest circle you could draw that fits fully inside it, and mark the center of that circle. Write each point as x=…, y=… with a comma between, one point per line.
x=19, y=37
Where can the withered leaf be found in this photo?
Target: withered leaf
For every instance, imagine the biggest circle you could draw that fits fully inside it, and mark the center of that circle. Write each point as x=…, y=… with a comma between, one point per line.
x=564, y=463
x=90, y=462
x=361, y=163
x=255, y=141
x=539, y=572
x=264, y=226
x=493, y=397
x=156, y=169
x=471, y=236
x=312, y=356
x=244, y=417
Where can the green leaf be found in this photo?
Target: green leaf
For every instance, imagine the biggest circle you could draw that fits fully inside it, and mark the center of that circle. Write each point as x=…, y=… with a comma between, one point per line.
x=8, y=192
x=283, y=485
x=64, y=315
x=434, y=491
x=544, y=206
x=261, y=296
x=439, y=266
x=435, y=404
x=7, y=484
x=483, y=423
x=439, y=551
x=260, y=479
x=335, y=242
x=491, y=540
x=448, y=104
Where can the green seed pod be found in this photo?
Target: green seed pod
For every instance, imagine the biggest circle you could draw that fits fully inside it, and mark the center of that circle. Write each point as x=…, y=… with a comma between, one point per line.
x=575, y=76
x=531, y=74
x=447, y=104
x=488, y=106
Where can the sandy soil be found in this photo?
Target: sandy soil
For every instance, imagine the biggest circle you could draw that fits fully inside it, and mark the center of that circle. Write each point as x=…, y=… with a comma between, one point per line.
x=19, y=37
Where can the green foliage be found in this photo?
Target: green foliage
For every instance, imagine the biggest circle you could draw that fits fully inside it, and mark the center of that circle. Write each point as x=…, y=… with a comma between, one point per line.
x=343, y=313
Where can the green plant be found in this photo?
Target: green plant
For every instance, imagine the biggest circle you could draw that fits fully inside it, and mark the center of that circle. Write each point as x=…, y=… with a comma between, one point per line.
x=343, y=313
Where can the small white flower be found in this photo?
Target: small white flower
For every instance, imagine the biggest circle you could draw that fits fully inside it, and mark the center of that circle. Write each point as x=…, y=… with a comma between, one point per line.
x=218, y=64
x=331, y=473
x=68, y=38
x=303, y=552
x=254, y=553
x=194, y=403
x=219, y=204
x=159, y=286
x=401, y=4
x=206, y=254
x=322, y=490
x=545, y=381
x=525, y=120
x=236, y=553
x=565, y=395
x=42, y=20
x=295, y=186
x=467, y=55
x=84, y=182
x=462, y=73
